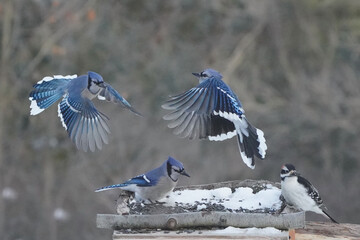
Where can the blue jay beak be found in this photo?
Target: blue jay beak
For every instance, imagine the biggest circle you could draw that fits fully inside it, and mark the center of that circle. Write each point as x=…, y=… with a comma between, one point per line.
x=196, y=74
x=102, y=85
x=184, y=173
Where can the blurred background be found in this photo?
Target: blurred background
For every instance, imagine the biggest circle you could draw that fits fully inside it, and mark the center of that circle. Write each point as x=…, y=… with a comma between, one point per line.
x=293, y=64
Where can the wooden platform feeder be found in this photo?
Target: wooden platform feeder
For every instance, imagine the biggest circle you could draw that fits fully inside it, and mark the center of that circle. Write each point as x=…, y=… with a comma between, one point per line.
x=155, y=221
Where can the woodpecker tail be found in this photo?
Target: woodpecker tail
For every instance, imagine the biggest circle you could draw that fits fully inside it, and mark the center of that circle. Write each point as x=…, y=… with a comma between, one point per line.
x=47, y=92
x=251, y=142
x=333, y=220
x=110, y=187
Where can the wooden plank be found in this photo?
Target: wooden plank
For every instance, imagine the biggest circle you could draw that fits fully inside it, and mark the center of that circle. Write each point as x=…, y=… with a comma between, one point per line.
x=198, y=235
x=328, y=231
x=201, y=219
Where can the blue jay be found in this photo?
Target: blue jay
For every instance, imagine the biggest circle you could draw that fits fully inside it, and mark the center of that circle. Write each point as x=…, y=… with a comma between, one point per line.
x=300, y=193
x=155, y=184
x=86, y=126
x=211, y=110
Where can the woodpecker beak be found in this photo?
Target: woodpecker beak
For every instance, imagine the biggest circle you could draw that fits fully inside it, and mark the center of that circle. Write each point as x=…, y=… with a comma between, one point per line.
x=293, y=173
x=184, y=173
x=196, y=74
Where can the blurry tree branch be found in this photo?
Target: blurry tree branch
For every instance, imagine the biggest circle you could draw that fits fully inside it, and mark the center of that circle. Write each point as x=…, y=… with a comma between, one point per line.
x=5, y=52
x=50, y=41
x=238, y=54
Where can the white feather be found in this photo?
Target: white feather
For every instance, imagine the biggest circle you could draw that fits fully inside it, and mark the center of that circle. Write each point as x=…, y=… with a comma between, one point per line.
x=262, y=143
x=72, y=109
x=223, y=136
x=226, y=93
x=48, y=78
x=34, y=108
x=61, y=117
x=247, y=160
x=101, y=97
x=229, y=116
x=146, y=179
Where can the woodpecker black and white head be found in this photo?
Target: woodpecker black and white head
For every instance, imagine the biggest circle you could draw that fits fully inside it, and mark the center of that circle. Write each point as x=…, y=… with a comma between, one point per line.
x=287, y=170
x=300, y=193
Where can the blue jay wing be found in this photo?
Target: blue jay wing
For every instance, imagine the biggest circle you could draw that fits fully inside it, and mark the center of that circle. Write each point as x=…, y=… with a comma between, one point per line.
x=86, y=126
x=110, y=94
x=204, y=111
x=141, y=181
x=47, y=92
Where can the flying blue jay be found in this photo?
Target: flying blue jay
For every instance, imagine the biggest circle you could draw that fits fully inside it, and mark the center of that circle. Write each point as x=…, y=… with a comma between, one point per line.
x=211, y=110
x=155, y=184
x=86, y=126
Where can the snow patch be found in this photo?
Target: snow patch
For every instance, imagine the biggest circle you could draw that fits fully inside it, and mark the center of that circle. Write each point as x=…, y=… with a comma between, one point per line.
x=9, y=193
x=268, y=231
x=242, y=198
x=61, y=214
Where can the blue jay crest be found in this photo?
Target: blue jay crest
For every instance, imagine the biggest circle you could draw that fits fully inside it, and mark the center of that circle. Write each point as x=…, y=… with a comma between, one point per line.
x=86, y=126
x=211, y=110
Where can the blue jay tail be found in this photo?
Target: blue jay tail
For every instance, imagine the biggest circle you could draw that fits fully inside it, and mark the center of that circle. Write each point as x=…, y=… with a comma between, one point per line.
x=333, y=220
x=47, y=92
x=110, y=187
x=251, y=143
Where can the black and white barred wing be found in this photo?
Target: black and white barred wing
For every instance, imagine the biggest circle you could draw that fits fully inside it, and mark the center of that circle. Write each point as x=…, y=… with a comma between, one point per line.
x=311, y=190
x=195, y=113
x=86, y=126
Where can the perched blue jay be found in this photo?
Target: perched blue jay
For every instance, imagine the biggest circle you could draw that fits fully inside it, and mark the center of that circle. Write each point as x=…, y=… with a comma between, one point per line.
x=211, y=110
x=86, y=126
x=300, y=193
x=155, y=184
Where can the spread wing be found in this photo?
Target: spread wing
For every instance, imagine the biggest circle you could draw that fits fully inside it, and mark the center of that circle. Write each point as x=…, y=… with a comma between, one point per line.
x=86, y=126
x=110, y=94
x=205, y=111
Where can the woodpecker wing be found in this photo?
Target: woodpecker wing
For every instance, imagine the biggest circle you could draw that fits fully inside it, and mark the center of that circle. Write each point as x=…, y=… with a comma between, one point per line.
x=311, y=190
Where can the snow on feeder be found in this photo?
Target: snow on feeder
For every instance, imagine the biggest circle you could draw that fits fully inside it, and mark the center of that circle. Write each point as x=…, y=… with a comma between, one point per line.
x=239, y=204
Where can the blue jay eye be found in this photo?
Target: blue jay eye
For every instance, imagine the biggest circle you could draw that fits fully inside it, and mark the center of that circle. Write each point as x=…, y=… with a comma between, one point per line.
x=203, y=74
